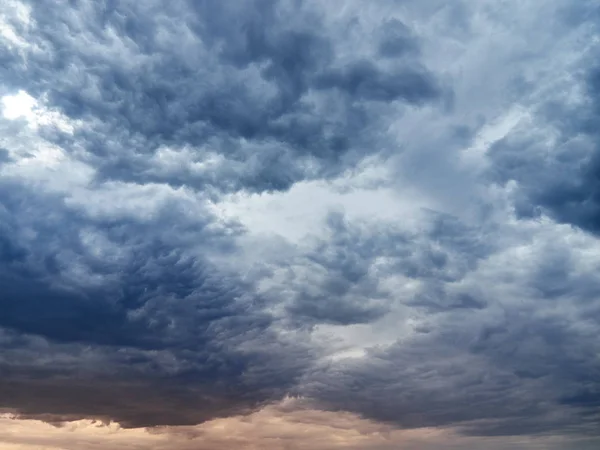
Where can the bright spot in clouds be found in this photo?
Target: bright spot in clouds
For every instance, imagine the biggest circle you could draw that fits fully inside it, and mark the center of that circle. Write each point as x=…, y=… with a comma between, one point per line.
x=17, y=106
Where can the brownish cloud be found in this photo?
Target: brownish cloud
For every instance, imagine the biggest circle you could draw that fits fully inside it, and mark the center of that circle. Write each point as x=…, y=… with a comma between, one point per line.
x=277, y=427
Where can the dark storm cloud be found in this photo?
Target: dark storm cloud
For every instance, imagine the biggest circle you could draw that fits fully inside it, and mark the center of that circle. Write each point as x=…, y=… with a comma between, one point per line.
x=585, y=398
x=258, y=87
x=153, y=302
x=200, y=74
x=522, y=376
x=554, y=350
x=139, y=388
x=185, y=333
x=116, y=302
x=363, y=81
x=493, y=363
x=560, y=179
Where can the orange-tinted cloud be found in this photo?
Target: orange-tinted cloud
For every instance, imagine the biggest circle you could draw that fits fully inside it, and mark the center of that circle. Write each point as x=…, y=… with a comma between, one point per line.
x=277, y=427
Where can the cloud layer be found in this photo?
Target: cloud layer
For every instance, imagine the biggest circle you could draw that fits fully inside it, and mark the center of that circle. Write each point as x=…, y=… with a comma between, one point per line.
x=388, y=211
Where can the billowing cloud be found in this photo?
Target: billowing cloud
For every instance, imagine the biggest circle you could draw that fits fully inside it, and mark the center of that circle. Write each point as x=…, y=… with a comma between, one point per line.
x=388, y=211
x=261, y=87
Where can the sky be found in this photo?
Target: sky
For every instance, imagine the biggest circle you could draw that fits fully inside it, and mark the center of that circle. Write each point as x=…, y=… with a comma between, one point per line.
x=299, y=224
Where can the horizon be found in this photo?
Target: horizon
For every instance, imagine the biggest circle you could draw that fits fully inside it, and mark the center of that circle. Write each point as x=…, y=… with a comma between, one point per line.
x=299, y=224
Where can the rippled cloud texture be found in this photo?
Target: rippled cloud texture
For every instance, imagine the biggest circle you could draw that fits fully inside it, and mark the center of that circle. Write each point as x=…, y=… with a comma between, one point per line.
x=300, y=224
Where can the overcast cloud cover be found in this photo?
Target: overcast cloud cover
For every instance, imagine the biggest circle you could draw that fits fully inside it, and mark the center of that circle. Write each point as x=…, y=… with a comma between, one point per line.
x=286, y=224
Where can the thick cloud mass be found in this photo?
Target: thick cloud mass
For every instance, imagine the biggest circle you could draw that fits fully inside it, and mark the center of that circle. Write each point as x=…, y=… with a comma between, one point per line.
x=566, y=186
x=260, y=83
x=387, y=210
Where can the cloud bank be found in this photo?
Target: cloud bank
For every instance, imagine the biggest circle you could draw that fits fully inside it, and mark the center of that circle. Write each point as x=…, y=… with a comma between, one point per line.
x=389, y=211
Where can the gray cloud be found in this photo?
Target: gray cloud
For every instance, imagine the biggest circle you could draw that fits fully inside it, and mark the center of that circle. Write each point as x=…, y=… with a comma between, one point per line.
x=521, y=377
x=147, y=304
x=492, y=360
x=339, y=279
x=143, y=279
x=241, y=79
x=564, y=182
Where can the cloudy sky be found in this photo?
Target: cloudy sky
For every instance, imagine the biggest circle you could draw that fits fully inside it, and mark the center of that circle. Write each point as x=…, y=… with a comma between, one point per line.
x=286, y=224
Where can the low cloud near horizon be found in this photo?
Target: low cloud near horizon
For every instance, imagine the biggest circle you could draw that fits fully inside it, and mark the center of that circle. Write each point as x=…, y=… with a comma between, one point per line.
x=387, y=211
x=281, y=426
